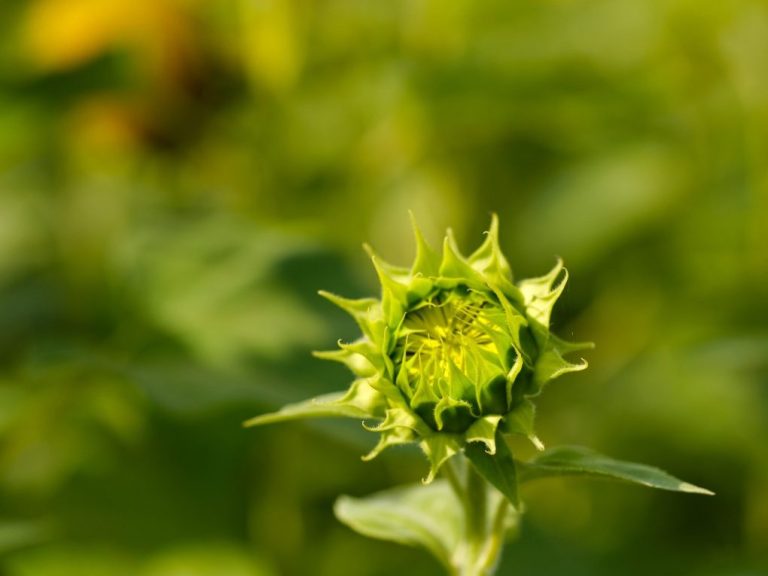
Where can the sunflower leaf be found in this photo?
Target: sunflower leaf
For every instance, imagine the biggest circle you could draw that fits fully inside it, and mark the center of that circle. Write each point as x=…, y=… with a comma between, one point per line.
x=499, y=468
x=429, y=517
x=578, y=461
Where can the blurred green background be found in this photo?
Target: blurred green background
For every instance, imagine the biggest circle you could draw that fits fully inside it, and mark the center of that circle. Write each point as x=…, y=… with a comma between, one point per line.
x=179, y=177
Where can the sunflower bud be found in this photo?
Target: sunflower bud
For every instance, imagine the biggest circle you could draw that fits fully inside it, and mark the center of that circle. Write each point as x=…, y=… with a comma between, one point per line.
x=451, y=354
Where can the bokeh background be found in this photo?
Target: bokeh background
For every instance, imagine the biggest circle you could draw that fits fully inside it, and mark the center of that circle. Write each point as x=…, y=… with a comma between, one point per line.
x=179, y=177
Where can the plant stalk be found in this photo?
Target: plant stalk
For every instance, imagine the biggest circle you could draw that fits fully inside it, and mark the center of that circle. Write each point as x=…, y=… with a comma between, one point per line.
x=482, y=540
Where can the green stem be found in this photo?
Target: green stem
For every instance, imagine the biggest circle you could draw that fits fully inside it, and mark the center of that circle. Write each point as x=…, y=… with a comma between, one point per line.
x=476, y=511
x=482, y=540
x=495, y=540
x=452, y=476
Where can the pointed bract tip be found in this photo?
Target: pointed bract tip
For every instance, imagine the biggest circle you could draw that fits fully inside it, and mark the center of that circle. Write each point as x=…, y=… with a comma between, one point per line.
x=420, y=241
x=381, y=269
x=556, y=270
x=426, y=262
x=492, y=237
x=340, y=301
x=493, y=230
x=450, y=237
x=451, y=250
x=357, y=308
x=538, y=444
x=329, y=354
x=412, y=217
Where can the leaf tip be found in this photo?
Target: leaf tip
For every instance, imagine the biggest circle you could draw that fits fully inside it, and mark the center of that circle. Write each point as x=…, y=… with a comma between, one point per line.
x=693, y=489
x=251, y=422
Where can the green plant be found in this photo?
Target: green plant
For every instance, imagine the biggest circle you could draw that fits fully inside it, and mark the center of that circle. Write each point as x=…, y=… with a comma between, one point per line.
x=450, y=358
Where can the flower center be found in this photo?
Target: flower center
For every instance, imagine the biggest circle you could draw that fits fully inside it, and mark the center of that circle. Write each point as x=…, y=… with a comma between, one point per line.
x=446, y=345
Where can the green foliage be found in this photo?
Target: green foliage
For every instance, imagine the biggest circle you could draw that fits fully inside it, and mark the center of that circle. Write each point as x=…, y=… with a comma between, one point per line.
x=209, y=559
x=15, y=535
